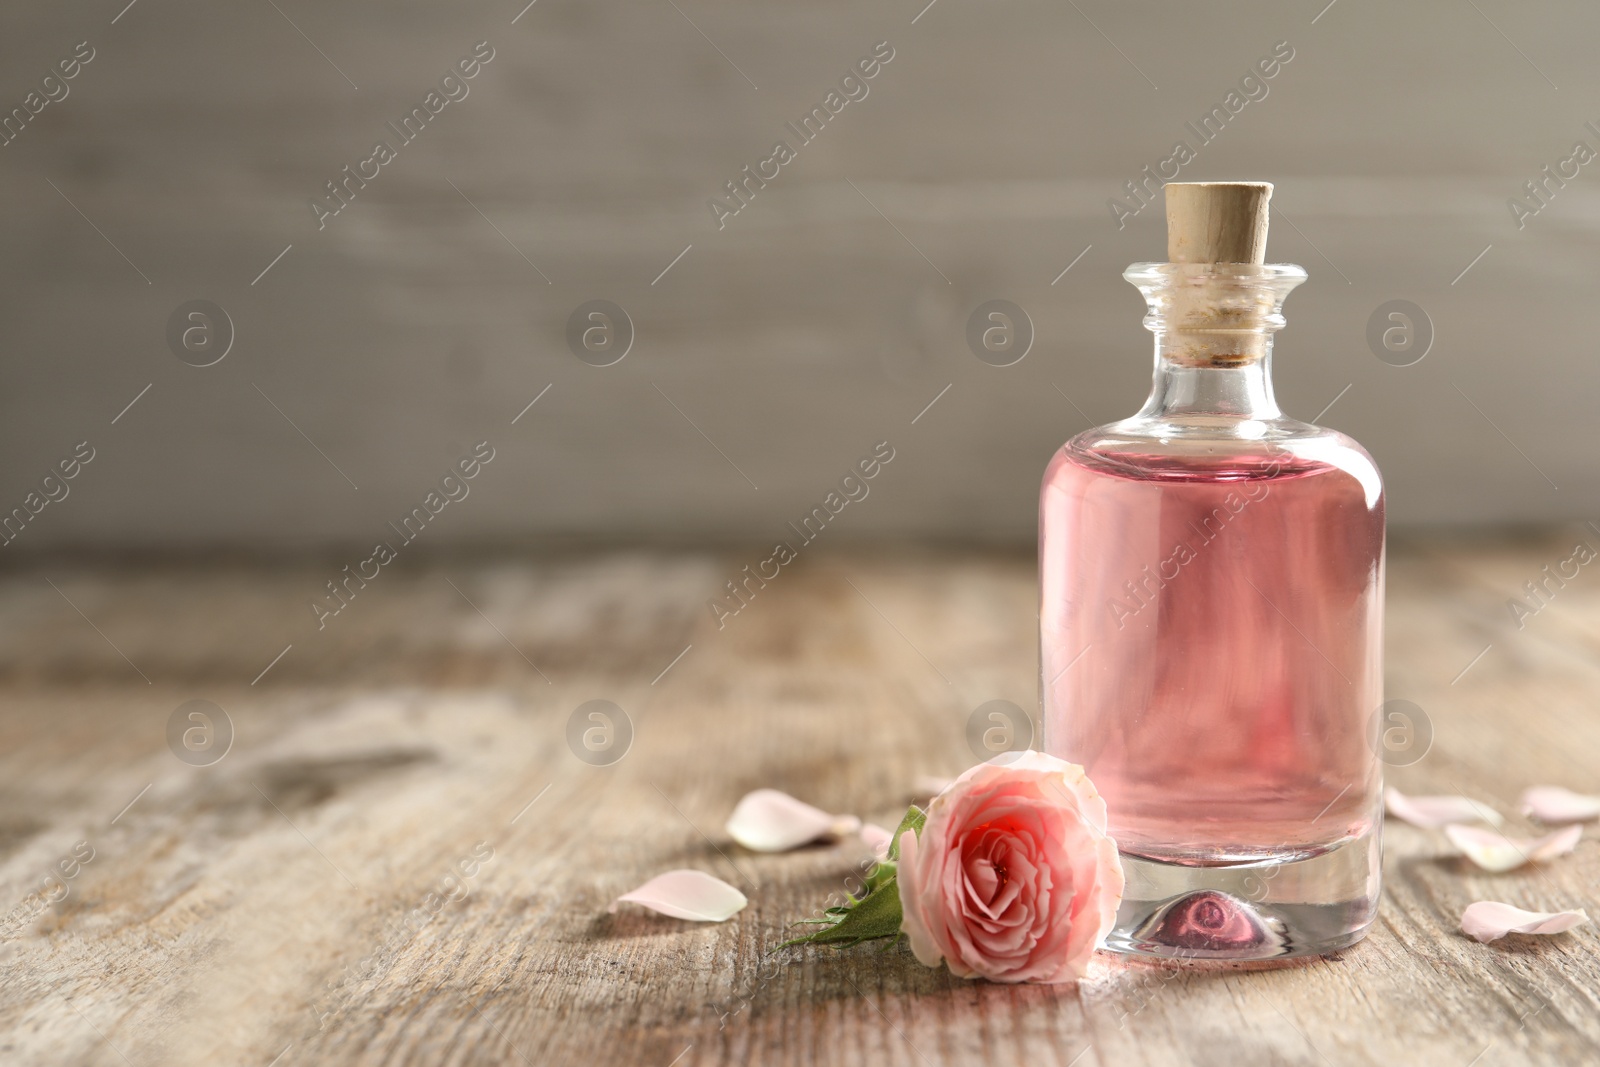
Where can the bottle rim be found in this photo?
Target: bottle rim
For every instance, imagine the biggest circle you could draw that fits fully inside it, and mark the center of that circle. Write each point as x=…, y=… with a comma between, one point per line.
x=1169, y=273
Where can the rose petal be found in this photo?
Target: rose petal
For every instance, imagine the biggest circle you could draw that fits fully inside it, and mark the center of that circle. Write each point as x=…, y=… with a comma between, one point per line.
x=1432, y=812
x=877, y=839
x=1551, y=803
x=916, y=922
x=686, y=894
x=1493, y=851
x=769, y=821
x=1488, y=920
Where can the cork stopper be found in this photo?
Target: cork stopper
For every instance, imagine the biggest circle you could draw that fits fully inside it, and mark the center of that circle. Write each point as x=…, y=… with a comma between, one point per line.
x=1213, y=322
x=1217, y=222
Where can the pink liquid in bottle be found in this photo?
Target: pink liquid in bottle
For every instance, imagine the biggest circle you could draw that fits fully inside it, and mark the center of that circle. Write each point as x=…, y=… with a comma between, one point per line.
x=1226, y=680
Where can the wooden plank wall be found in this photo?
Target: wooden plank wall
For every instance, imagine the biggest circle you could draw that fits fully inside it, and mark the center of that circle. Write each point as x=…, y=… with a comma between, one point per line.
x=822, y=318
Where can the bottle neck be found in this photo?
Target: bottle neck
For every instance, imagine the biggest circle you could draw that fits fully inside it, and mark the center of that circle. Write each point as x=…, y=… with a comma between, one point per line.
x=1214, y=324
x=1239, y=390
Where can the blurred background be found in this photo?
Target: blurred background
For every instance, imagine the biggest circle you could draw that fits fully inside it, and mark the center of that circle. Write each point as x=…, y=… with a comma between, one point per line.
x=354, y=357
x=574, y=306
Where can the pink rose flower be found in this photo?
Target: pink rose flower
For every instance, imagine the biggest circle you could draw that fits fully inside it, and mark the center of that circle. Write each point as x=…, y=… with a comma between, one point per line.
x=1013, y=878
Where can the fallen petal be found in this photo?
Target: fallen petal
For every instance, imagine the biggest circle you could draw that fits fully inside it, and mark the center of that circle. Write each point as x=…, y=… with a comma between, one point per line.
x=1551, y=803
x=686, y=894
x=877, y=839
x=1431, y=812
x=769, y=821
x=1488, y=920
x=1493, y=851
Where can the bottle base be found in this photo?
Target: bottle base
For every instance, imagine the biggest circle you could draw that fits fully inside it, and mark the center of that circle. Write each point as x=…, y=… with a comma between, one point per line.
x=1266, y=910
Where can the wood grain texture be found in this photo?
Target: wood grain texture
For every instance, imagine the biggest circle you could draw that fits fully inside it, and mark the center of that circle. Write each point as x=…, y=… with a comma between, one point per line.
x=268, y=905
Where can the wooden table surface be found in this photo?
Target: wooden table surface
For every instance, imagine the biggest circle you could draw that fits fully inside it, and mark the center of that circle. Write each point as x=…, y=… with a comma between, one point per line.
x=294, y=898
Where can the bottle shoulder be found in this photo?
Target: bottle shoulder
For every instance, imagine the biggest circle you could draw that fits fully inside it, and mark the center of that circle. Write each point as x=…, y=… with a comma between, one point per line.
x=1216, y=449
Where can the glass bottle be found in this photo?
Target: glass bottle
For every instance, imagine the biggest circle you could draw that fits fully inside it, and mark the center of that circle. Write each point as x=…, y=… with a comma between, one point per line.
x=1211, y=621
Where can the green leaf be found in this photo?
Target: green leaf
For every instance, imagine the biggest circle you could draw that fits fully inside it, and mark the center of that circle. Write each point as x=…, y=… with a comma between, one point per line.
x=880, y=873
x=914, y=820
x=874, y=916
